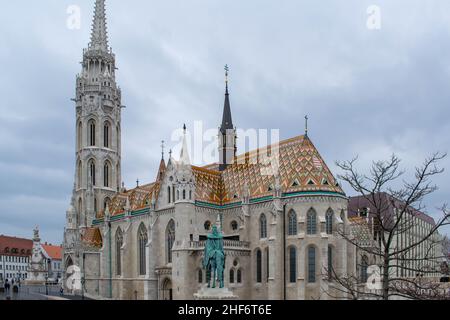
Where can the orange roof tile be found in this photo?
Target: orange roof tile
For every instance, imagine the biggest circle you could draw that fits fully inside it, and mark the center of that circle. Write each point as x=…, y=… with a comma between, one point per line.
x=54, y=252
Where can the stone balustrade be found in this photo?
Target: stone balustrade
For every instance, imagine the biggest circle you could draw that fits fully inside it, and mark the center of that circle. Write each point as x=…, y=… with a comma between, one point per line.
x=228, y=244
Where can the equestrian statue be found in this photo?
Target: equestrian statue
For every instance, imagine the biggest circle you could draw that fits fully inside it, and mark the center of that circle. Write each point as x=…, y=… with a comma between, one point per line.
x=214, y=258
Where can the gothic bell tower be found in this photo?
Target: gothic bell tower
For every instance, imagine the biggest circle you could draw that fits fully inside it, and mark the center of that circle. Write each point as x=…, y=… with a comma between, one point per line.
x=98, y=130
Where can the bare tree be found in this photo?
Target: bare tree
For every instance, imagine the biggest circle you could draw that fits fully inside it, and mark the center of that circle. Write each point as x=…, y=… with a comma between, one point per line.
x=407, y=252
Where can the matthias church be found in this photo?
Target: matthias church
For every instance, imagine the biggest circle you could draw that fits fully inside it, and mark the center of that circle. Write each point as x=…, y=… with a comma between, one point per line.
x=280, y=230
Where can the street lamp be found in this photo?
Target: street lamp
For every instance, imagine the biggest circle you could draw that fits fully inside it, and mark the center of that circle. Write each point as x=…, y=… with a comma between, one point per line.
x=46, y=285
x=82, y=287
x=47, y=276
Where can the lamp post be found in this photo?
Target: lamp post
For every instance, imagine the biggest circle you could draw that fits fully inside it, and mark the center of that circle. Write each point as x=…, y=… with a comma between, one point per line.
x=82, y=287
x=47, y=276
x=46, y=285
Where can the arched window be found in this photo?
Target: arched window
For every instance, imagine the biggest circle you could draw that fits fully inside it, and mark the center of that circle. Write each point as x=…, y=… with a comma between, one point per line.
x=184, y=194
x=173, y=194
x=80, y=174
x=258, y=266
x=79, y=135
x=142, y=242
x=200, y=276
x=106, y=174
x=119, y=244
x=170, y=239
x=292, y=264
x=207, y=225
x=95, y=205
x=239, y=276
x=106, y=135
x=91, y=133
x=329, y=221
x=234, y=225
x=311, y=264
x=364, y=266
x=232, y=275
x=330, y=268
x=262, y=226
x=92, y=172
x=311, y=222
x=292, y=230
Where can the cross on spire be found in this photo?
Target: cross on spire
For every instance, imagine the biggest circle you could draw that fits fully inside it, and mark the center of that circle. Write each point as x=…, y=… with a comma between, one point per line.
x=306, y=125
x=227, y=69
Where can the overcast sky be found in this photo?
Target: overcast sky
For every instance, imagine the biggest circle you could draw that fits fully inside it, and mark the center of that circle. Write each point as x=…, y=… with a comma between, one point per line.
x=367, y=92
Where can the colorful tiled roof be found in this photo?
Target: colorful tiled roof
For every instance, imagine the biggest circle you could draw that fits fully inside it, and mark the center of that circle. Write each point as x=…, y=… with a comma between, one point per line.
x=301, y=169
x=92, y=237
x=12, y=246
x=139, y=198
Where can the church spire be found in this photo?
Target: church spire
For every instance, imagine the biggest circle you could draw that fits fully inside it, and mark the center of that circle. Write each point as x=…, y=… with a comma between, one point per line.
x=99, y=35
x=227, y=133
x=227, y=122
x=184, y=154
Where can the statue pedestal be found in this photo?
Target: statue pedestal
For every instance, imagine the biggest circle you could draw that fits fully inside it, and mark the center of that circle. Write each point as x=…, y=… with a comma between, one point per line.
x=206, y=293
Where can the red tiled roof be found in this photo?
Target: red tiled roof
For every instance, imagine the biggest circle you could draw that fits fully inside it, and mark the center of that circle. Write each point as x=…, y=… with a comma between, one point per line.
x=54, y=252
x=13, y=246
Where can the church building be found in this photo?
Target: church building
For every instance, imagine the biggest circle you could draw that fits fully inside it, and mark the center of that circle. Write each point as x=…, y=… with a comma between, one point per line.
x=280, y=229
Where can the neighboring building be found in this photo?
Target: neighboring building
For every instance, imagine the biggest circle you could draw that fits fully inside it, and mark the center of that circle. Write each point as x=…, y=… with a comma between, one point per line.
x=15, y=254
x=53, y=256
x=424, y=260
x=280, y=227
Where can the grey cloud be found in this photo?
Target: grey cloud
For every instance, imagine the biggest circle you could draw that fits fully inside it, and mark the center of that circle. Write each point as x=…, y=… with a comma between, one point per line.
x=367, y=92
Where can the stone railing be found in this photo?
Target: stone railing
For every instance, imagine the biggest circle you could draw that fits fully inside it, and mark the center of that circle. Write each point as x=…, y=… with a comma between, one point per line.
x=228, y=244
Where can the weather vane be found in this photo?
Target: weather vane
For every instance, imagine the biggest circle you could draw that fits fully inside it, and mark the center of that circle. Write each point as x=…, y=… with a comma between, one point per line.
x=227, y=69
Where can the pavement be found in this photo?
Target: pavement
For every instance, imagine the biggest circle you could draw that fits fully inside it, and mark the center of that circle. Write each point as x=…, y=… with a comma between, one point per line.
x=38, y=293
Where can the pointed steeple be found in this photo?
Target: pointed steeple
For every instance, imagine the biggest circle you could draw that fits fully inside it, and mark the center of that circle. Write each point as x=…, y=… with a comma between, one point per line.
x=99, y=35
x=184, y=155
x=227, y=133
x=227, y=121
x=161, y=170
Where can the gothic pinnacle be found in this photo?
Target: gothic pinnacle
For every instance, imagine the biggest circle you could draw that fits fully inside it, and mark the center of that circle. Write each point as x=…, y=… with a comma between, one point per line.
x=99, y=35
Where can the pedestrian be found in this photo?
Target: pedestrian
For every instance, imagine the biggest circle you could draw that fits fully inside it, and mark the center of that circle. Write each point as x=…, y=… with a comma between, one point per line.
x=6, y=285
x=61, y=291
